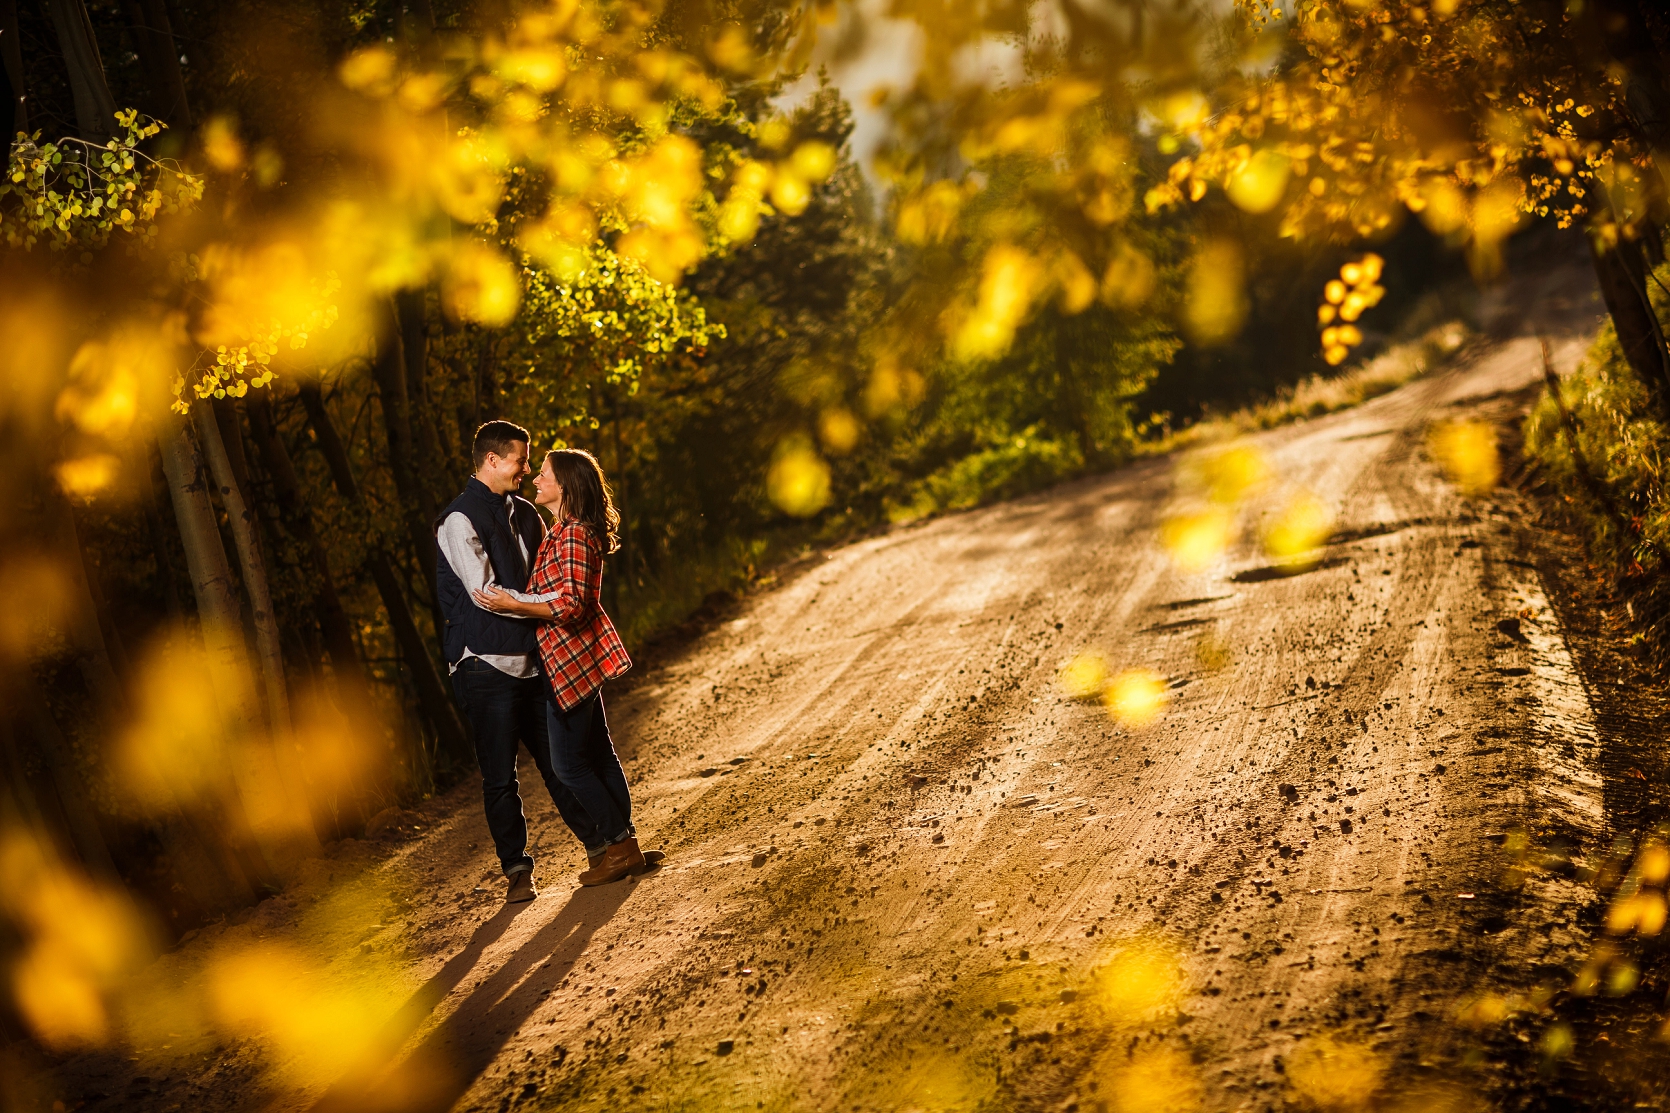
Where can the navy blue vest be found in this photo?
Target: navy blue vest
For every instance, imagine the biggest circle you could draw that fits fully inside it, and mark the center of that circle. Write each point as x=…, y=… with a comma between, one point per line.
x=467, y=625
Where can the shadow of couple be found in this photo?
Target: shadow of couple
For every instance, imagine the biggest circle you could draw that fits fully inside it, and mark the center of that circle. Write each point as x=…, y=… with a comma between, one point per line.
x=449, y=1059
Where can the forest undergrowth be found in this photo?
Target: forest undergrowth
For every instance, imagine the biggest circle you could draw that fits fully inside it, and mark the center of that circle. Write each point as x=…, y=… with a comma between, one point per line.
x=1601, y=442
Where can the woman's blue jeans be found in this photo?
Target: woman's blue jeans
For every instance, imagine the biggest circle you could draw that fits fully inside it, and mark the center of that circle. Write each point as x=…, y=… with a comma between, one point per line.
x=584, y=759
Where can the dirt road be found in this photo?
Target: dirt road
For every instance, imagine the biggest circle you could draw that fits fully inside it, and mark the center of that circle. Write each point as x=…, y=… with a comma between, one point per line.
x=906, y=872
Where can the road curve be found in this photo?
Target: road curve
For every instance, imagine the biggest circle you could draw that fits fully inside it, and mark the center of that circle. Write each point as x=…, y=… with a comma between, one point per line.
x=907, y=872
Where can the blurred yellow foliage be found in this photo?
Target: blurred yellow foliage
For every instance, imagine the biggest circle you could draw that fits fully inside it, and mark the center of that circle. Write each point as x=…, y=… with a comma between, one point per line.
x=481, y=286
x=1303, y=524
x=221, y=145
x=85, y=476
x=1226, y=475
x=1217, y=300
x=838, y=429
x=1654, y=863
x=1196, y=540
x=111, y=378
x=1136, y=698
x=798, y=481
x=79, y=940
x=1356, y=289
x=1084, y=676
x=1467, y=452
x=1009, y=281
x=1642, y=912
x=185, y=729
x=1141, y=982
x=318, y=1025
x=931, y=214
x=1257, y=185
x=1129, y=278
x=1333, y=1073
x=813, y=160
x=1154, y=1079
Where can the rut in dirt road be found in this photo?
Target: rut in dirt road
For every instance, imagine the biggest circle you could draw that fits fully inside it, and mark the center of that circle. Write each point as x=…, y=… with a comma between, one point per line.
x=906, y=872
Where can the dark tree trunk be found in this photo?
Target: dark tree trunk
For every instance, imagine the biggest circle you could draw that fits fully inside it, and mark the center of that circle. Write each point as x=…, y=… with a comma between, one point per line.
x=16, y=117
x=95, y=108
x=432, y=695
x=334, y=624
x=153, y=36
x=414, y=344
x=157, y=522
x=417, y=507
x=1622, y=272
x=79, y=813
x=114, y=647
x=85, y=630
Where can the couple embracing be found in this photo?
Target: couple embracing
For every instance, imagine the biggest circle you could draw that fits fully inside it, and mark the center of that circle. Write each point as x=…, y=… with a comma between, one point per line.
x=530, y=648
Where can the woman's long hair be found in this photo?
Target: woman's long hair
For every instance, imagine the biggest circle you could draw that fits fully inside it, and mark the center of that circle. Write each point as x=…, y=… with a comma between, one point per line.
x=586, y=494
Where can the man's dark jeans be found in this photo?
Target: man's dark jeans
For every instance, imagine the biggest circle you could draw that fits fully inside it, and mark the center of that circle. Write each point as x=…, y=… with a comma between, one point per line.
x=584, y=758
x=504, y=712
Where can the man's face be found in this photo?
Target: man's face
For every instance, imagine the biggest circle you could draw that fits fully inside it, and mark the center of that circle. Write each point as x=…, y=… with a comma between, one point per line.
x=504, y=474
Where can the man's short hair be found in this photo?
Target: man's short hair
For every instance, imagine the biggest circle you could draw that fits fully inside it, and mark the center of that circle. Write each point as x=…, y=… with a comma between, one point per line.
x=496, y=437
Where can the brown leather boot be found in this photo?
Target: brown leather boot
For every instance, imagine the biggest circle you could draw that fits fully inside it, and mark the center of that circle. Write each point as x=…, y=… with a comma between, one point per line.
x=618, y=860
x=521, y=887
x=651, y=858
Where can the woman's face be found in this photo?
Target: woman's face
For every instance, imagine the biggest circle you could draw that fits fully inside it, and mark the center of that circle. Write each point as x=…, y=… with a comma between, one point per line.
x=547, y=492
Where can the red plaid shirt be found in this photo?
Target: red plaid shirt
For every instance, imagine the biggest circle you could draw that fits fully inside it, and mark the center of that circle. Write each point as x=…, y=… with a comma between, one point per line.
x=578, y=646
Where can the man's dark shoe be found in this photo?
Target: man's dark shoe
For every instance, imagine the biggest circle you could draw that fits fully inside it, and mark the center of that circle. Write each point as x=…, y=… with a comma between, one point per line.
x=652, y=858
x=618, y=860
x=521, y=888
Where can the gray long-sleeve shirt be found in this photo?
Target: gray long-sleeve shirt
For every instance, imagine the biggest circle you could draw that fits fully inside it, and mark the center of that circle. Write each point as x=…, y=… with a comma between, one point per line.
x=464, y=551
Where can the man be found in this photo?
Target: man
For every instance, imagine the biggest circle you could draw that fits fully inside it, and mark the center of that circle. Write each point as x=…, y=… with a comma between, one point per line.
x=489, y=536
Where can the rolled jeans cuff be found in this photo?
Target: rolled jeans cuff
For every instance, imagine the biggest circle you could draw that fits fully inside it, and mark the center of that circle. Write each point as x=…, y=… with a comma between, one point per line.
x=519, y=867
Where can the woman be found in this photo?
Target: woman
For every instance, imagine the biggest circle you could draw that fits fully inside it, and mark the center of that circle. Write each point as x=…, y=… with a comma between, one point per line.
x=579, y=649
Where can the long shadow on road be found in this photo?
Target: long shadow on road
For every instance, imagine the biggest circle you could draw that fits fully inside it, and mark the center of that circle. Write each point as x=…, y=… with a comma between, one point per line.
x=442, y=1068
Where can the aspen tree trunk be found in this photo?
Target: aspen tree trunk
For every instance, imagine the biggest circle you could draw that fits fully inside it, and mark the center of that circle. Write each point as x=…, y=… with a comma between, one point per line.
x=432, y=695
x=267, y=644
x=95, y=109
x=217, y=605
